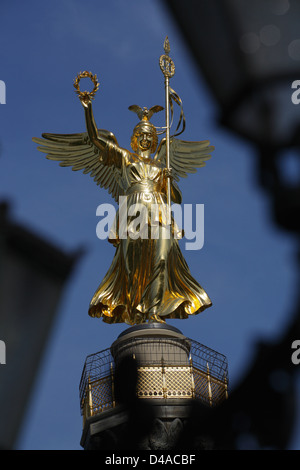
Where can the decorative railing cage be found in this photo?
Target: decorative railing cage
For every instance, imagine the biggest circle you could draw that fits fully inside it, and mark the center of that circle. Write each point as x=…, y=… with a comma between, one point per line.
x=203, y=376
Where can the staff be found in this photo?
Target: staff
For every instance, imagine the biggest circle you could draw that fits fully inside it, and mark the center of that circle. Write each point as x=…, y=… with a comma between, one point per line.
x=168, y=69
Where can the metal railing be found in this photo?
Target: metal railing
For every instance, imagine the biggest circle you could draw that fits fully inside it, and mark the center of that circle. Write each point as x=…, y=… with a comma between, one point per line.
x=204, y=377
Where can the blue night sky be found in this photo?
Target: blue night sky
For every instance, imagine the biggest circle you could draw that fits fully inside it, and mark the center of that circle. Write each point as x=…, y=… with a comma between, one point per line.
x=246, y=264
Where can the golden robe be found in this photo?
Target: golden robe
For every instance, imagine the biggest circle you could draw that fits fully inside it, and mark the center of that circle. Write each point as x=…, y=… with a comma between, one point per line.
x=149, y=278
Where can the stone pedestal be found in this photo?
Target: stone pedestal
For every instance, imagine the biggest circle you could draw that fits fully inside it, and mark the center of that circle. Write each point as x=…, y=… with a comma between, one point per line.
x=146, y=396
x=152, y=343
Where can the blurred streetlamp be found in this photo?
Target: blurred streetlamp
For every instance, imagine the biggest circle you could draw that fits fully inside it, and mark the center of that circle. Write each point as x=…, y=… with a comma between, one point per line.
x=248, y=52
x=33, y=275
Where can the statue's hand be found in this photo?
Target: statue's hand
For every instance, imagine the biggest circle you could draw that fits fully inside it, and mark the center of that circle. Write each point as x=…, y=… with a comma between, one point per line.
x=85, y=99
x=168, y=173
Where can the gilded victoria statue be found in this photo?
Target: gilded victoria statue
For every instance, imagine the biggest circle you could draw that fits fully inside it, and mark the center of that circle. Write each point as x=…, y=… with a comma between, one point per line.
x=149, y=279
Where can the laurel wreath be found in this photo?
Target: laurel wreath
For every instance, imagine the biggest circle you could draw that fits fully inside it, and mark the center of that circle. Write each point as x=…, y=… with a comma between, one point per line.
x=166, y=65
x=86, y=94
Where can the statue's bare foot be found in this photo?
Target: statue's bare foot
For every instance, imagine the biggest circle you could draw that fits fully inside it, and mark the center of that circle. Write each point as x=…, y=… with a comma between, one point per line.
x=156, y=319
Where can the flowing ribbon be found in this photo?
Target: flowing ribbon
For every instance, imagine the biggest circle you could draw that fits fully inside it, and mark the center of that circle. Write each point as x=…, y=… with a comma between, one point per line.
x=175, y=97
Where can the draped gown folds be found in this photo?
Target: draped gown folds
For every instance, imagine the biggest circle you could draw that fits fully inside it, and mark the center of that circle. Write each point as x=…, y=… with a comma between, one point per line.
x=149, y=278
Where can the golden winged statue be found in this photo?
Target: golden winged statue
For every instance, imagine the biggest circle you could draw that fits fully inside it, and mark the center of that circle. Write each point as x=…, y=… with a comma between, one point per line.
x=149, y=279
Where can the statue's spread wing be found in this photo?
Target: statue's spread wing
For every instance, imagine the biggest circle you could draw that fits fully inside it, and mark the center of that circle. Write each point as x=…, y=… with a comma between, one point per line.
x=77, y=151
x=185, y=157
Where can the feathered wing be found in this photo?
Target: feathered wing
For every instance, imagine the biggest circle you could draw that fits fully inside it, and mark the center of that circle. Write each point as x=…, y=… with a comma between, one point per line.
x=185, y=156
x=77, y=151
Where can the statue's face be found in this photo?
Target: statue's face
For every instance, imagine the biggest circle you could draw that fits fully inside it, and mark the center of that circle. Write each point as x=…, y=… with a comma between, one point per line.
x=145, y=139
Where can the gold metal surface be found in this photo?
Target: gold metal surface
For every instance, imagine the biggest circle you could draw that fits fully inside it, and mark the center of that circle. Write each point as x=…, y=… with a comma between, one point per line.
x=149, y=279
x=86, y=94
